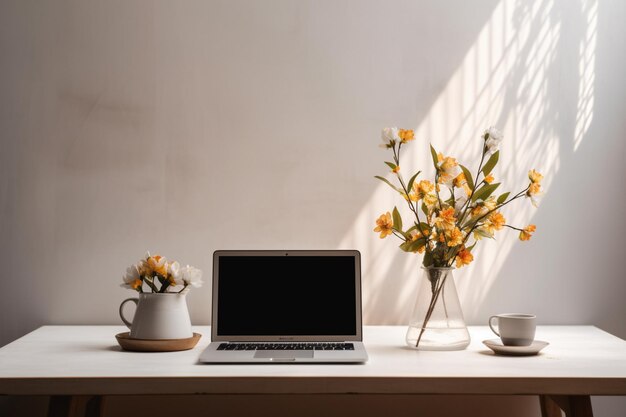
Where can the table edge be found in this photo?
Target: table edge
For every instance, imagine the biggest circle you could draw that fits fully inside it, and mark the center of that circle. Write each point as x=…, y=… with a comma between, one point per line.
x=312, y=385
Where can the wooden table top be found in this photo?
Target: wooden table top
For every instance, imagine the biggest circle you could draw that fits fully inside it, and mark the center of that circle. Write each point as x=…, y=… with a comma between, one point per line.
x=86, y=360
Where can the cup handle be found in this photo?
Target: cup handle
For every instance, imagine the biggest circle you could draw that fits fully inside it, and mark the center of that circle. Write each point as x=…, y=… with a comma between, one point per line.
x=126, y=322
x=491, y=326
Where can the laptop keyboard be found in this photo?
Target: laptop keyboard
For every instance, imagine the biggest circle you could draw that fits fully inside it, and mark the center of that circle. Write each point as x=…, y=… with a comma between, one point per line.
x=286, y=346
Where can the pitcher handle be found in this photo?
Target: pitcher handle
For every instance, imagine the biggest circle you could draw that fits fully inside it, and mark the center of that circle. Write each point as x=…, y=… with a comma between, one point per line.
x=126, y=322
x=491, y=325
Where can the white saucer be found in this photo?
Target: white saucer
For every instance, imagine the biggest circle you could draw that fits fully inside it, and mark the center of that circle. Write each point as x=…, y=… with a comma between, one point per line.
x=499, y=349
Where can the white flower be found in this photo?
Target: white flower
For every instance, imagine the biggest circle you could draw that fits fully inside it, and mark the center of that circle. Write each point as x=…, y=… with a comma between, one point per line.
x=131, y=277
x=173, y=269
x=493, y=137
x=389, y=136
x=191, y=276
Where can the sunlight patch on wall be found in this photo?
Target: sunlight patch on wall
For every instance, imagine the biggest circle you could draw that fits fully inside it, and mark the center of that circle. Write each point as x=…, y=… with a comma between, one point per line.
x=509, y=78
x=586, y=69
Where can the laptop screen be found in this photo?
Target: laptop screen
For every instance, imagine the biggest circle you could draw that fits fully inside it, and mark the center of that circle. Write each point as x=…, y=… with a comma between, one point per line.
x=288, y=294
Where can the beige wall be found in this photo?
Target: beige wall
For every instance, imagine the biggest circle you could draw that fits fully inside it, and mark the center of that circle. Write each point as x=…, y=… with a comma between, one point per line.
x=186, y=127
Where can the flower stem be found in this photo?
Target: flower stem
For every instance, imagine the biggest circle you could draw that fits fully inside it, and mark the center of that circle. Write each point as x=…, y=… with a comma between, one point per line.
x=412, y=207
x=433, y=300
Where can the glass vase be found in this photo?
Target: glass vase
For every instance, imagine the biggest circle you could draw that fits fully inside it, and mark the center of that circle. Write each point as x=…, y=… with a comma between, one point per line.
x=437, y=321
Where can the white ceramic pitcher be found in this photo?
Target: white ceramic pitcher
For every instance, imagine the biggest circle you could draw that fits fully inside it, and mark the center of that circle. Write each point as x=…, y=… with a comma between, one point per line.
x=159, y=316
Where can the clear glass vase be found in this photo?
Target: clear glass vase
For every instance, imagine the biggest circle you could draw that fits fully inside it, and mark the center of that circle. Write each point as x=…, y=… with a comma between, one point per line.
x=437, y=321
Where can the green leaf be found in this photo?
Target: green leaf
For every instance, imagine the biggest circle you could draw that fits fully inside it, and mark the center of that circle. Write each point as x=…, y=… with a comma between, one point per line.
x=491, y=163
x=397, y=220
x=469, y=249
x=485, y=191
x=483, y=233
x=391, y=165
x=386, y=181
x=468, y=177
x=411, y=181
x=503, y=198
x=428, y=259
x=433, y=153
x=413, y=245
x=424, y=209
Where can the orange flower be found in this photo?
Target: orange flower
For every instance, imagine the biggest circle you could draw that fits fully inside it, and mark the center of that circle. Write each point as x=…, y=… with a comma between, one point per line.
x=446, y=219
x=406, y=135
x=489, y=179
x=396, y=169
x=495, y=221
x=464, y=257
x=455, y=237
x=384, y=225
x=527, y=233
x=136, y=284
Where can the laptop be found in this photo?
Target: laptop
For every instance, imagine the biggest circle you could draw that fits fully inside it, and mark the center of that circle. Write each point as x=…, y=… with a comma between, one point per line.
x=299, y=306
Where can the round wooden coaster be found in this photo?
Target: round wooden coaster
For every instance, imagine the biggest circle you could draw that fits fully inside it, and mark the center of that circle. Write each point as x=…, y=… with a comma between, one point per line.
x=156, y=345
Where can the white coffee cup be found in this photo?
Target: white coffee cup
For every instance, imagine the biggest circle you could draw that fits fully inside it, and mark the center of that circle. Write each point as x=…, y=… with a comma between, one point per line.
x=515, y=329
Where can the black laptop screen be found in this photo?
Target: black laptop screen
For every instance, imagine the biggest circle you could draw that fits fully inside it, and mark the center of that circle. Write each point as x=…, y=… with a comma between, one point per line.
x=286, y=296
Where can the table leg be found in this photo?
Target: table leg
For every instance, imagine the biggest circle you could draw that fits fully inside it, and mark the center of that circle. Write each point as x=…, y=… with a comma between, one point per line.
x=571, y=405
x=75, y=406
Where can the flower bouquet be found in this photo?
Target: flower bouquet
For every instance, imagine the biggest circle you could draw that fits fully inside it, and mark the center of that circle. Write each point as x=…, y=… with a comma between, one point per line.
x=450, y=215
x=155, y=274
x=162, y=312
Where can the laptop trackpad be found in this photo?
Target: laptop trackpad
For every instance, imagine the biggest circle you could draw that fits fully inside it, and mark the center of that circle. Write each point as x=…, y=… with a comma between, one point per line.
x=283, y=354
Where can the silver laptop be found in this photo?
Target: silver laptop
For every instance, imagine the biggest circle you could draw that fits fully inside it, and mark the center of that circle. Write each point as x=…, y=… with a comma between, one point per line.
x=286, y=307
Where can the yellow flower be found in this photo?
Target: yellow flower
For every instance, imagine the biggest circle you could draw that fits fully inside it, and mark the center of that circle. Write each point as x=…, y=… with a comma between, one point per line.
x=448, y=164
x=430, y=200
x=483, y=207
x=446, y=219
x=455, y=237
x=534, y=176
x=156, y=265
x=495, y=221
x=412, y=197
x=534, y=189
x=448, y=169
x=384, y=225
x=136, y=284
x=406, y=135
x=422, y=188
x=527, y=233
x=459, y=181
x=489, y=179
x=464, y=257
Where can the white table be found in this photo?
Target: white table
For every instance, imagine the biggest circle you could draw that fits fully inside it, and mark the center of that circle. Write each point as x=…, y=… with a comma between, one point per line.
x=79, y=364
